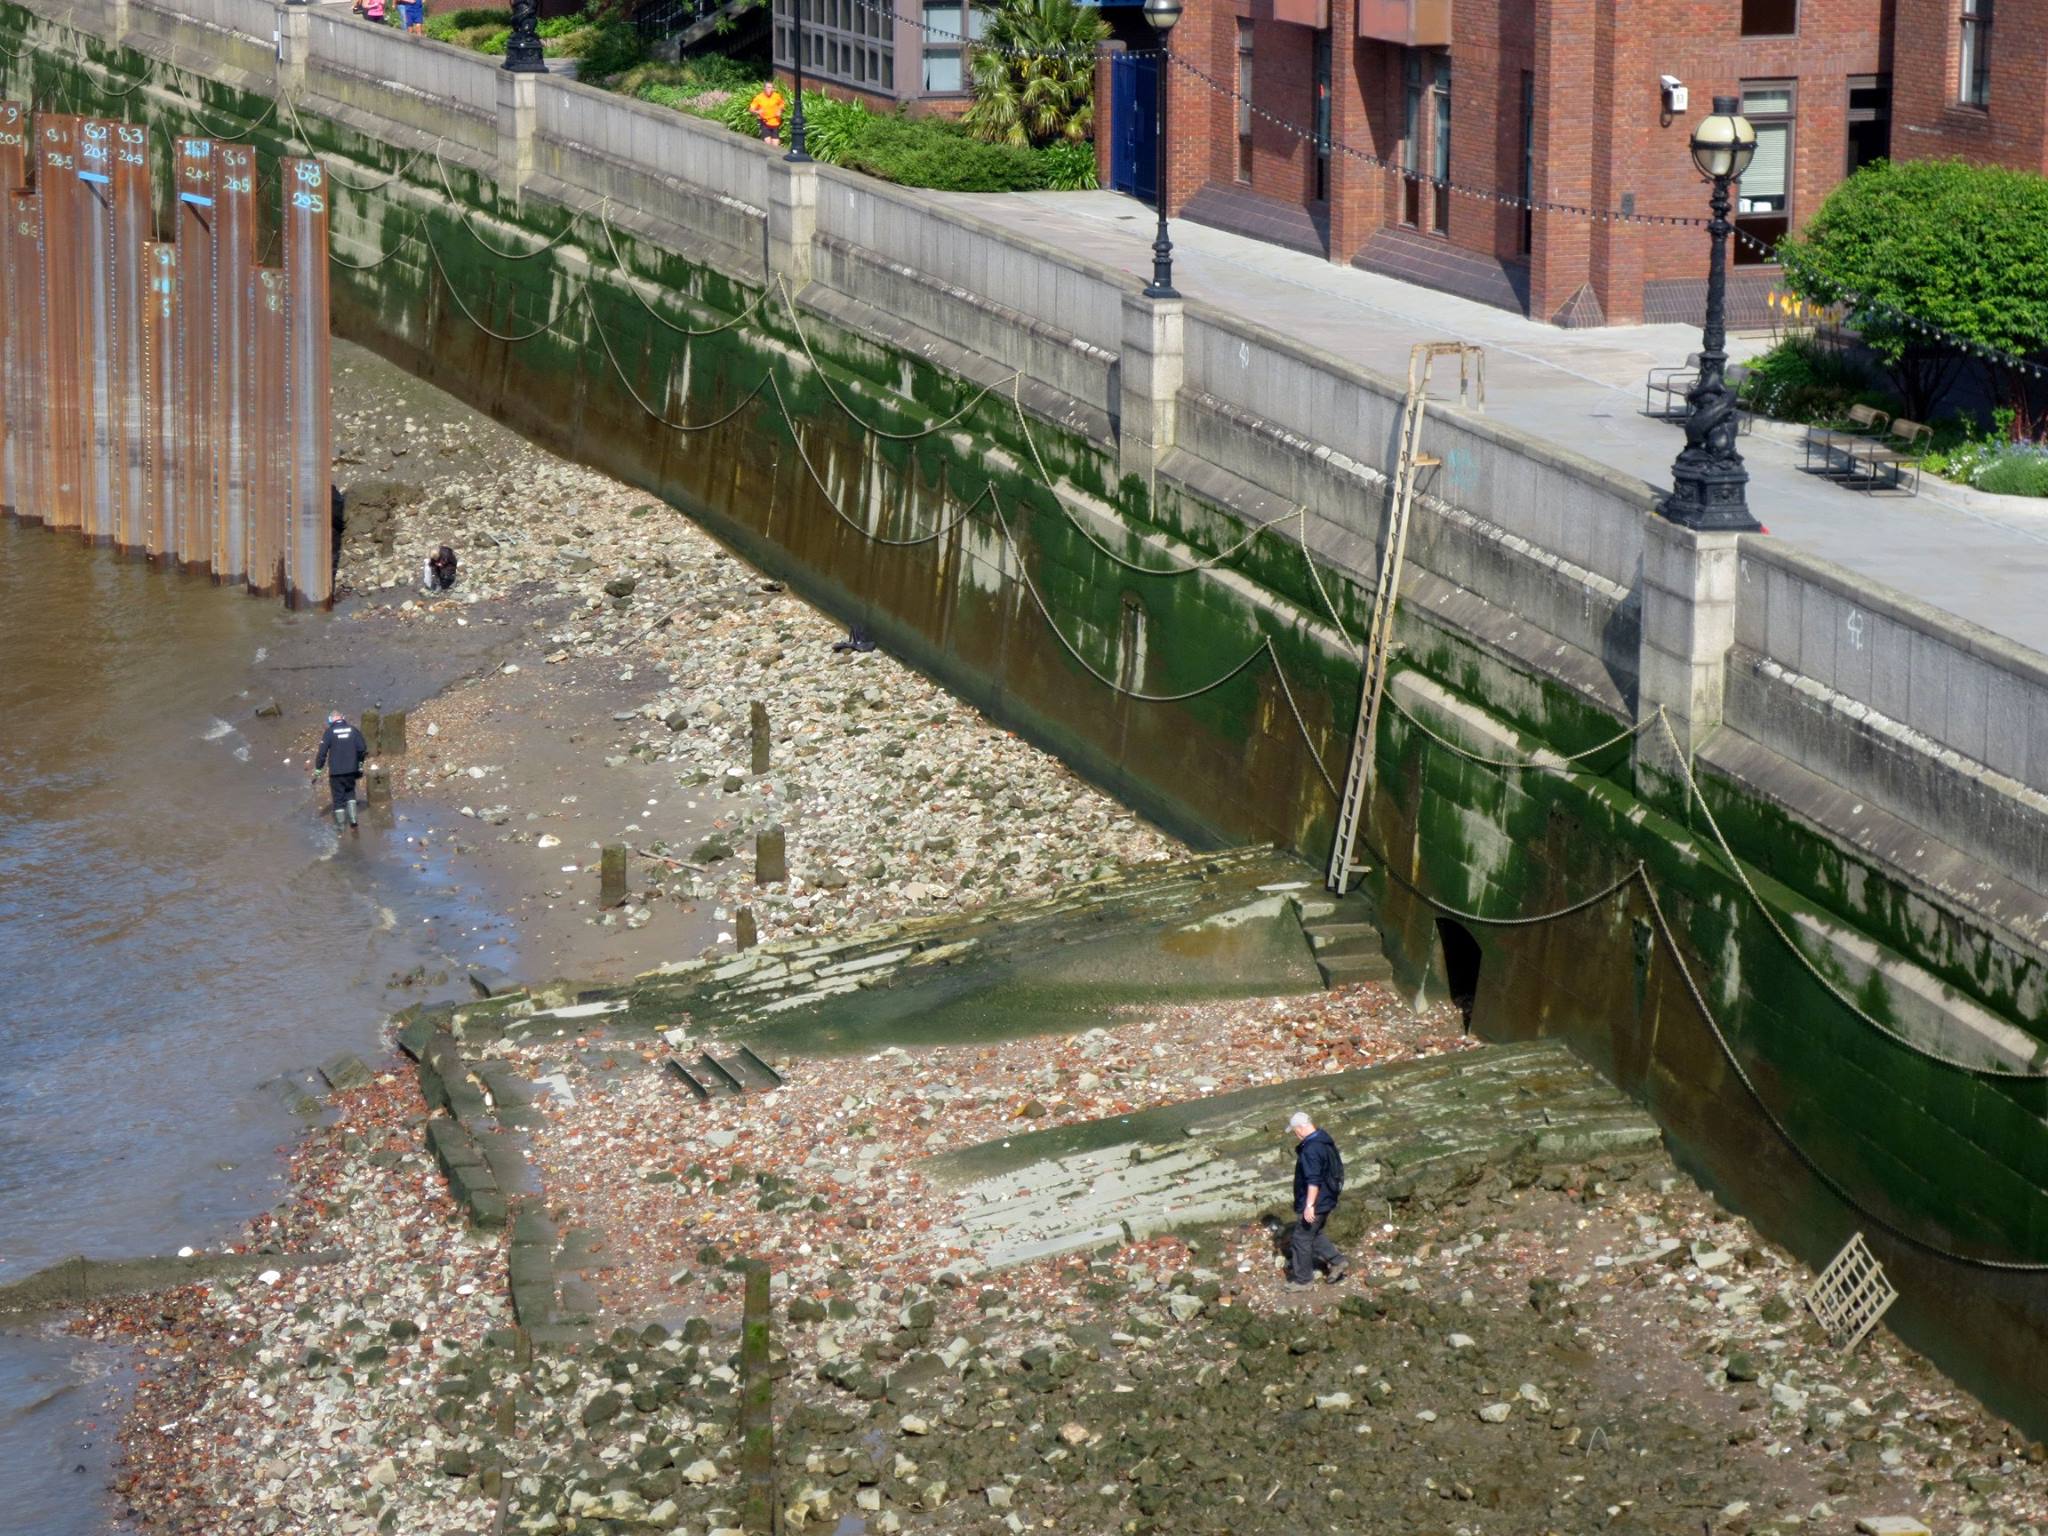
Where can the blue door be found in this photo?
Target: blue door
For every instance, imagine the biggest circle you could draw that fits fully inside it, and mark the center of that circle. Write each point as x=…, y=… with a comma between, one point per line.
x=1134, y=124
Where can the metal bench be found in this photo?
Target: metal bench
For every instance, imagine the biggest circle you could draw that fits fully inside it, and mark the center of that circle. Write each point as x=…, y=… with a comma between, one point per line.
x=1867, y=424
x=1670, y=385
x=1898, y=452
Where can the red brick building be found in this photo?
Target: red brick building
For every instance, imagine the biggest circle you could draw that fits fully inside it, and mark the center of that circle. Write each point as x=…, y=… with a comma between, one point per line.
x=1586, y=103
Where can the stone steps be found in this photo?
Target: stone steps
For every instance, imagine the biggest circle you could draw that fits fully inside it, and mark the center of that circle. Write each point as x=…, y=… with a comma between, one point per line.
x=1414, y=1130
x=1345, y=939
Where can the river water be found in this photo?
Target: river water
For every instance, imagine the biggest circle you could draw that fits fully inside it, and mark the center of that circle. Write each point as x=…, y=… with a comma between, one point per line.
x=178, y=924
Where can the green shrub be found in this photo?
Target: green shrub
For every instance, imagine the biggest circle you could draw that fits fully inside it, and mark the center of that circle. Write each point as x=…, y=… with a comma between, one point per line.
x=493, y=42
x=930, y=152
x=1802, y=379
x=832, y=126
x=613, y=47
x=1068, y=167
x=562, y=26
x=1963, y=247
x=2015, y=472
x=444, y=26
x=732, y=111
x=716, y=72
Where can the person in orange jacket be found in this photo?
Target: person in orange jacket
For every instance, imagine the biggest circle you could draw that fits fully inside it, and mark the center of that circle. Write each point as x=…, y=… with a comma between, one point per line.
x=767, y=107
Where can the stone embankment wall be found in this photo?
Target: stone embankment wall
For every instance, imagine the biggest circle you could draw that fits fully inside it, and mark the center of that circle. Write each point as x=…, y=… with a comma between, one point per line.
x=1049, y=491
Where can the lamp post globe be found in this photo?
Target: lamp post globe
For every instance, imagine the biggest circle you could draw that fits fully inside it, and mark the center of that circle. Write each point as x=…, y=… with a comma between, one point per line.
x=1162, y=14
x=1709, y=485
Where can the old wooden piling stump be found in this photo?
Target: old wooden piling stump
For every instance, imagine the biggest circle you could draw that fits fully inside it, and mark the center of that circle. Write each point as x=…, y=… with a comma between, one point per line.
x=377, y=786
x=611, y=877
x=759, y=722
x=746, y=934
x=771, y=860
x=372, y=727
x=760, y=1513
x=393, y=737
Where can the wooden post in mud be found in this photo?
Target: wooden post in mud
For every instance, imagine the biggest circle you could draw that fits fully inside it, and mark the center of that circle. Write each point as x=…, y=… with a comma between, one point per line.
x=758, y=720
x=372, y=727
x=393, y=743
x=745, y=932
x=771, y=858
x=611, y=876
x=760, y=1511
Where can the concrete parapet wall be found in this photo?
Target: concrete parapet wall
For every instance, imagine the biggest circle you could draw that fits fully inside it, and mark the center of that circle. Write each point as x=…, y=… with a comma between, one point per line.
x=645, y=155
x=905, y=227
x=1940, y=722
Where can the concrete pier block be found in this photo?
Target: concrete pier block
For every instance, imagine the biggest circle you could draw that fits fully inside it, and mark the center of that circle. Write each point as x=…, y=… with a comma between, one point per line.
x=611, y=877
x=1149, y=372
x=518, y=111
x=377, y=786
x=771, y=860
x=792, y=221
x=1689, y=587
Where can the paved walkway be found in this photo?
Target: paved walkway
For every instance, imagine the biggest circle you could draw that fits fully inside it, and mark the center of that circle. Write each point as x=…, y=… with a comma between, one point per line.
x=1979, y=557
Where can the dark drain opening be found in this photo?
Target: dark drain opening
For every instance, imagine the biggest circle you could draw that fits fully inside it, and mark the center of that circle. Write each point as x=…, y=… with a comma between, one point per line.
x=1461, y=964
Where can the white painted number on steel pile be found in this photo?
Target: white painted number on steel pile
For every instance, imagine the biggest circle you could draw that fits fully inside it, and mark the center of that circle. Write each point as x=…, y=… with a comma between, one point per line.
x=1244, y=354
x=306, y=195
x=1854, y=624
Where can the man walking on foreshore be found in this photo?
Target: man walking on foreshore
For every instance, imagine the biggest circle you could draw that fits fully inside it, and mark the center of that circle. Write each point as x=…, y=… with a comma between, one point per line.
x=341, y=754
x=1318, y=1180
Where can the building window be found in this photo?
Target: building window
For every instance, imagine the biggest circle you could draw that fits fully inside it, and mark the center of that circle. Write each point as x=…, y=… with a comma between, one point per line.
x=851, y=41
x=1412, y=95
x=946, y=71
x=1870, y=120
x=1526, y=225
x=1244, y=101
x=1321, y=192
x=1770, y=18
x=1973, y=81
x=1440, y=146
x=1763, y=198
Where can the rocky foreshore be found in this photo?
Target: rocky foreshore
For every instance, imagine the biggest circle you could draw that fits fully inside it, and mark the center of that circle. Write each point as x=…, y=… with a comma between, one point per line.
x=1528, y=1347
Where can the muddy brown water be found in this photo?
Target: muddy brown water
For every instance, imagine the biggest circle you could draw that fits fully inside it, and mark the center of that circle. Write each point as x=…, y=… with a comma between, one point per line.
x=179, y=923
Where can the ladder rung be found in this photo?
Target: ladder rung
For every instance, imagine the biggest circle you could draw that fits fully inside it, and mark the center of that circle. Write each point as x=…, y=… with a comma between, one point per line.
x=1427, y=461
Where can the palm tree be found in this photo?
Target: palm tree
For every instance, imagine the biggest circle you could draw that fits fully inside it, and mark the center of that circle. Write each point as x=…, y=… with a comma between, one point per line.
x=1034, y=76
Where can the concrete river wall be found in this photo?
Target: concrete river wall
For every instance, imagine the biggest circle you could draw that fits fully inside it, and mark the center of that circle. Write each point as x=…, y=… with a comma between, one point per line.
x=1765, y=845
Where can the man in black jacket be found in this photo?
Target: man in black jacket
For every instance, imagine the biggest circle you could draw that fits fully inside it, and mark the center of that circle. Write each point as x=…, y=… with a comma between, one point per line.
x=1318, y=1180
x=341, y=754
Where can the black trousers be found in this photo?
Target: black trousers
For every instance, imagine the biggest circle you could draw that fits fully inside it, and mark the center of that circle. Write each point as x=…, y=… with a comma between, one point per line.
x=1307, y=1247
x=343, y=787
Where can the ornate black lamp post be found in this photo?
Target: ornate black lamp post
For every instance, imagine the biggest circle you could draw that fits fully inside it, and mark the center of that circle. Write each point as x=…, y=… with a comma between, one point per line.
x=797, y=151
x=1708, y=481
x=1162, y=14
x=522, y=50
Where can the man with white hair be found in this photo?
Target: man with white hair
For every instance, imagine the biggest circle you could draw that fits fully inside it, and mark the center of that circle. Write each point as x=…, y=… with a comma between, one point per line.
x=1318, y=1180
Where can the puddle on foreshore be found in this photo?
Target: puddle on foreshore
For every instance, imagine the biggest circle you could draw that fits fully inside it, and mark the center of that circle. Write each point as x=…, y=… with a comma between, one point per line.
x=180, y=922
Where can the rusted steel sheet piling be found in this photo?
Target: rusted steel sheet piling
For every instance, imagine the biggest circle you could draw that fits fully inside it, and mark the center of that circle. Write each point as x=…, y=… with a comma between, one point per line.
x=94, y=192
x=308, y=377
x=160, y=332
x=18, y=310
x=270, y=445
x=198, y=349
x=169, y=397
x=134, y=225
x=234, y=259
x=65, y=342
x=28, y=397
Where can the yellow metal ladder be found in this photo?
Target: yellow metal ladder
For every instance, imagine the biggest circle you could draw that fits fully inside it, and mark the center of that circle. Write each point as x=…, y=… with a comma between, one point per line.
x=1379, y=640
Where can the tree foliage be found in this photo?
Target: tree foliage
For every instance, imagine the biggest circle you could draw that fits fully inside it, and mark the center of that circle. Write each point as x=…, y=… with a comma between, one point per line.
x=1958, y=246
x=1034, y=78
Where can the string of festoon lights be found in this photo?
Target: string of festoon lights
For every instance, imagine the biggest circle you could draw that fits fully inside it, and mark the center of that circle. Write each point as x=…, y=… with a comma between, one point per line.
x=1494, y=196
